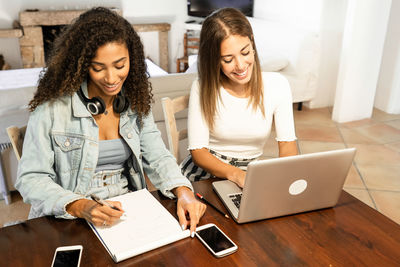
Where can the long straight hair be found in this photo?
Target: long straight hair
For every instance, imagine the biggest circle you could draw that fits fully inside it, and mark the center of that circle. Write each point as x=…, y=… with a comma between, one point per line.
x=216, y=28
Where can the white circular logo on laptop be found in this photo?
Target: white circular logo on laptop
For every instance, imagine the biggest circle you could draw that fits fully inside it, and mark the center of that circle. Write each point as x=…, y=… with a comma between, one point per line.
x=298, y=187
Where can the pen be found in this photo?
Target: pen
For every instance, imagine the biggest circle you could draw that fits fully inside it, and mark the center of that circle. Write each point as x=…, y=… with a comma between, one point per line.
x=104, y=203
x=206, y=201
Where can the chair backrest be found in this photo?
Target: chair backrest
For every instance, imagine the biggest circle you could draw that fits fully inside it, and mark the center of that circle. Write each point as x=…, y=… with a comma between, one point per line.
x=16, y=136
x=190, y=42
x=170, y=107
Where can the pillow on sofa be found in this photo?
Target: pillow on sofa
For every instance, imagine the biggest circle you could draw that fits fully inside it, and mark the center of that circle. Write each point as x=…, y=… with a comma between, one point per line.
x=272, y=62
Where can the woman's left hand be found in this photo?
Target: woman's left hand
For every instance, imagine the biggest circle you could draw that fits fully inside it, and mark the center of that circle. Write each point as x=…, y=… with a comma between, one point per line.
x=189, y=209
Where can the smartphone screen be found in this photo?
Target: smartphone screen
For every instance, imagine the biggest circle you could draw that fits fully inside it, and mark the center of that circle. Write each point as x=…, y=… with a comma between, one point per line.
x=215, y=239
x=67, y=258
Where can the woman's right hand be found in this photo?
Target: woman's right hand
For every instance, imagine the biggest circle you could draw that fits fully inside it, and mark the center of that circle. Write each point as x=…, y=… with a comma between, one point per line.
x=204, y=159
x=95, y=213
x=237, y=176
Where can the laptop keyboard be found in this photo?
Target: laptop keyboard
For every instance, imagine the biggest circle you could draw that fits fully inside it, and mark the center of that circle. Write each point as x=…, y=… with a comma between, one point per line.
x=236, y=198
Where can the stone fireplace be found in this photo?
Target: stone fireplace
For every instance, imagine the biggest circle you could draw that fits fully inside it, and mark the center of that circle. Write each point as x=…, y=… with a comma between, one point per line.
x=50, y=33
x=35, y=22
x=32, y=23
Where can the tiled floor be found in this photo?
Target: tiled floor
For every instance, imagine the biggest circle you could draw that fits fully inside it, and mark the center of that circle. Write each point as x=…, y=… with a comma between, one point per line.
x=374, y=177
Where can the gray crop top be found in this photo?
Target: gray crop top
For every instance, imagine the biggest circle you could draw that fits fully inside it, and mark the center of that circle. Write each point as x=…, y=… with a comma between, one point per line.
x=112, y=154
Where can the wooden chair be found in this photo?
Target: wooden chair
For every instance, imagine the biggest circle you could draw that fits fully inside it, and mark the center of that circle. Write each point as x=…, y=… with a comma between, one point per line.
x=170, y=107
x=16, y=136
x=188, y=43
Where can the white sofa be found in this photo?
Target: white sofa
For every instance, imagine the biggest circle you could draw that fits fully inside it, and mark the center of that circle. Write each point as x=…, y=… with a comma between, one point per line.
x=300, y=48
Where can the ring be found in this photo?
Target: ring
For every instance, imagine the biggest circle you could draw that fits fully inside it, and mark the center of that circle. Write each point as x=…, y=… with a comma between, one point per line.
x=104, y=223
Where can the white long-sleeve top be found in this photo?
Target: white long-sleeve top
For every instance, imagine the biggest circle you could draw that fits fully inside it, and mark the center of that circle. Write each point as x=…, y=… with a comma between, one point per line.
x=239, y=131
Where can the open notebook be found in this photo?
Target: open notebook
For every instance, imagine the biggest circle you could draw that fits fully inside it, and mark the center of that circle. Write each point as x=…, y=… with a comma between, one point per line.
x=148, y=226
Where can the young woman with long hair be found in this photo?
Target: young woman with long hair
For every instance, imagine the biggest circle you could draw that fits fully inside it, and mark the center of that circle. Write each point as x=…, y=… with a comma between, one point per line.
x=91, y=130
x=233, y=104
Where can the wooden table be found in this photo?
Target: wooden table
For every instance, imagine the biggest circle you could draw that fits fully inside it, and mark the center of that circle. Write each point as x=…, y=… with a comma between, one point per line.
x=350, y=234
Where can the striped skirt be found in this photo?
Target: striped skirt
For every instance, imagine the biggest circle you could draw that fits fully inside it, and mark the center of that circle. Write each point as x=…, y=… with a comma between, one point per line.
x=195, y=173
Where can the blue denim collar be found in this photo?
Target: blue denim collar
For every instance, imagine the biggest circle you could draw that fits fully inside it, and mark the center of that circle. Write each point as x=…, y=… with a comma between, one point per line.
x=78, y=108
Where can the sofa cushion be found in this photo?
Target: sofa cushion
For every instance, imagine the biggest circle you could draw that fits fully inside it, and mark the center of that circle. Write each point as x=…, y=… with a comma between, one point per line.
x=273, y=62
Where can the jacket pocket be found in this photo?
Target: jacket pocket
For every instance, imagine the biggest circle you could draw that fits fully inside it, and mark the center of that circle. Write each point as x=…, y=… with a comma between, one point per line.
x=68, y=154
x=68, y=143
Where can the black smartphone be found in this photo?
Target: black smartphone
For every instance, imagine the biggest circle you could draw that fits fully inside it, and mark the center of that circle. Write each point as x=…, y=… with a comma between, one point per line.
x=69, y=256
x=215, y=240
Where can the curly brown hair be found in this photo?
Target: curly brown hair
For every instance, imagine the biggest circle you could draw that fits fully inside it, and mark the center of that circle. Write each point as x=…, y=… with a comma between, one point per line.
x=76, y=46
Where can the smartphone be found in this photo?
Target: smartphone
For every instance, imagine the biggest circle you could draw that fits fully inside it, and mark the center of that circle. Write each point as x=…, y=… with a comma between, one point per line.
x=69, y=256
x=215, y=240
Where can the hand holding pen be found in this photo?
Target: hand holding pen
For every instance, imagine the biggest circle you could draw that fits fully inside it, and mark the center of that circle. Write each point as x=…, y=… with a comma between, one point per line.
x=105, y=203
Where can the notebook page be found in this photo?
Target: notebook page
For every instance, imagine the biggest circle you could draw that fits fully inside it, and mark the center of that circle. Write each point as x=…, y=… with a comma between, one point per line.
x=148, y=225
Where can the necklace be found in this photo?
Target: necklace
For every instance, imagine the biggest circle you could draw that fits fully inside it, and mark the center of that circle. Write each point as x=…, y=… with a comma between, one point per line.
x=107, y=111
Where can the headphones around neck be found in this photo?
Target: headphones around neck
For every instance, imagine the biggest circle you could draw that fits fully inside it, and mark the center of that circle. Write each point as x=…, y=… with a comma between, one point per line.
x=97, y=106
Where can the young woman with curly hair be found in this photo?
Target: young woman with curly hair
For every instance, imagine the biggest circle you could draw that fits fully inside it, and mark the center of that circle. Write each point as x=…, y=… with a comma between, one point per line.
x=233, y=104
x=91, y=130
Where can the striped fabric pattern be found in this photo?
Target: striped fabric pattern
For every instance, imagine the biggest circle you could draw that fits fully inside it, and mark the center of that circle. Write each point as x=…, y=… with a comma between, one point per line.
x=195, y=173
x=4, y=146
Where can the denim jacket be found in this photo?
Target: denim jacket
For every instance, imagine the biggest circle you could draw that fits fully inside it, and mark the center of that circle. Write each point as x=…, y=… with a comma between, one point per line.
x=60, y=154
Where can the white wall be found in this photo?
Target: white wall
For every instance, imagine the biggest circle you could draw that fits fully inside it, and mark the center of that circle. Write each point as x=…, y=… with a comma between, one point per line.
x=9, y=47
x=363, y=41
x=331, y=26
x=171, y=11
x=9, y=9
x=328, y=18
x=302, y=13
x=325, y=17
x=387, y=96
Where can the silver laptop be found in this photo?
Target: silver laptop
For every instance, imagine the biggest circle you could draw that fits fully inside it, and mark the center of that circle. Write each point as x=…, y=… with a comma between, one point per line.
x=288, y=185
